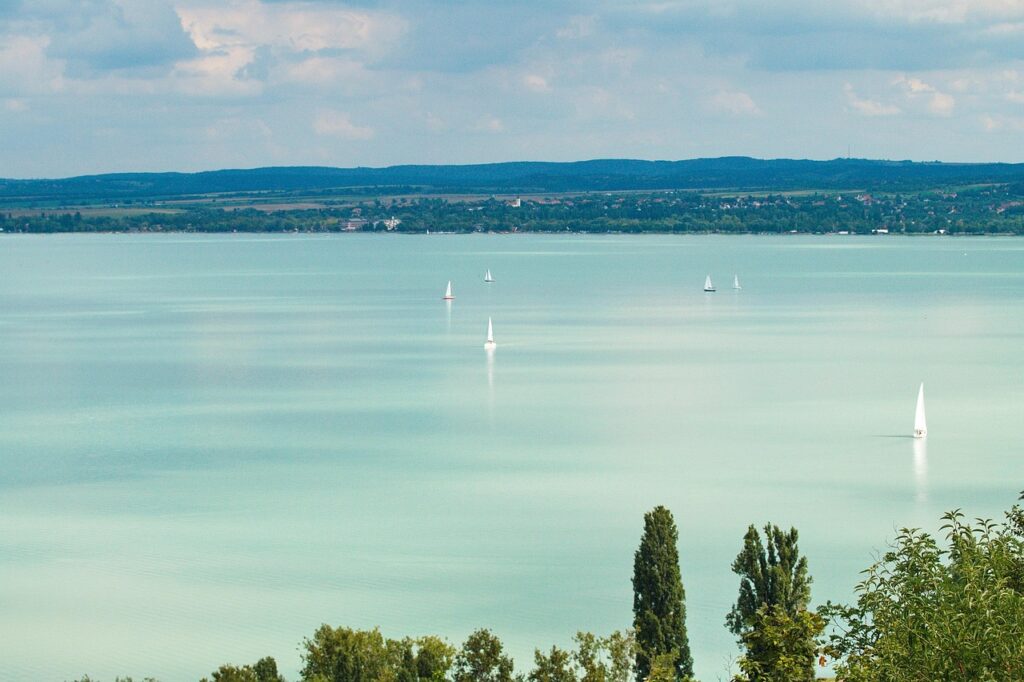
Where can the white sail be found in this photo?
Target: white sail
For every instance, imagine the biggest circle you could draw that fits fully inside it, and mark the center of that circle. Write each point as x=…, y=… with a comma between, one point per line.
x=736, y=282
x=489, y=343
x=708, y=286
x=448, y=292
x=487, y=277
x=920, y=425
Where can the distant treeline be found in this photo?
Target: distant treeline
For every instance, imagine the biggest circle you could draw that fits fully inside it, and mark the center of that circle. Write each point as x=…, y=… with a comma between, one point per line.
x=994, y=209
x=928, y=609
x=736, y=172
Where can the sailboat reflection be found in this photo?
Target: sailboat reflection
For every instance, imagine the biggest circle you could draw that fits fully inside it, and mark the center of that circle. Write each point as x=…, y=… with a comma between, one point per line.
x=490, y=383
x=921, y=468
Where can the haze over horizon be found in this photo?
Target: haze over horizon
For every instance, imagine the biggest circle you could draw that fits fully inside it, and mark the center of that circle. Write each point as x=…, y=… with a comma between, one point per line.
x=192, y=85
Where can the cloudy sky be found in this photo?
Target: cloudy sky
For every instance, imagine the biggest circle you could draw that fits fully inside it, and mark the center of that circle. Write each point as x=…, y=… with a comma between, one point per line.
x=107, y=85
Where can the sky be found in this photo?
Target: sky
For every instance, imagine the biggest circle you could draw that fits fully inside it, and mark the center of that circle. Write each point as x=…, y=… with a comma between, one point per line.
x=92, y=86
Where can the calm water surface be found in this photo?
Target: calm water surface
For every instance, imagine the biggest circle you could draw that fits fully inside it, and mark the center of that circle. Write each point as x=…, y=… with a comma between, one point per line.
x=212, y=444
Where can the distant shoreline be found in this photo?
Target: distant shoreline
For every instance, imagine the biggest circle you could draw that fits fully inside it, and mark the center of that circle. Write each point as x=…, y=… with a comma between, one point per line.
x=645, y=233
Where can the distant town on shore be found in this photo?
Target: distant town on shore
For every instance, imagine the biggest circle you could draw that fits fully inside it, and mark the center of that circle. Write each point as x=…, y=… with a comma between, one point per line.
x=724, y=195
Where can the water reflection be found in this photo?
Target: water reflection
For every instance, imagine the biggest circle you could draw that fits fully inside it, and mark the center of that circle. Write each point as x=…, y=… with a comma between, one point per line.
x=490, y=383
x=921, y=468
x=448, y=316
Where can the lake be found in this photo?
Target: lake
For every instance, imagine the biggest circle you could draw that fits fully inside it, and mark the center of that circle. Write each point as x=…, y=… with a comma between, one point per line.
x=210, y=445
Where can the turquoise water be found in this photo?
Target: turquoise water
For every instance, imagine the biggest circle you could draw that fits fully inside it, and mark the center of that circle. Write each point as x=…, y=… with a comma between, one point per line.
x=212, y=444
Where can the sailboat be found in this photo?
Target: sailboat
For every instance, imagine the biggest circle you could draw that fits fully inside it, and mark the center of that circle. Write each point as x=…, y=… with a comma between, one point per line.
x=708, y=286
x=487, y=277
x=448, y=292
x=489, y=343
x=736, y=282
x=920, y=425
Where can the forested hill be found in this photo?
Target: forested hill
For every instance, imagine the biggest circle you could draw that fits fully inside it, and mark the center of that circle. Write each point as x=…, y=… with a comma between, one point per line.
x=740, y=173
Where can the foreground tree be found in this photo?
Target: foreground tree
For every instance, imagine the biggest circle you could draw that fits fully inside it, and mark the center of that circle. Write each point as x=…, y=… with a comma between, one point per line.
x=780, y=647
x=605, y=659
x=770, y=614
x=938, y=612
x=264, y=670
x=347, y=655
x=233, y=673
x=482, y=659
x=434, y=658
x=555, y=666
x=775, y=575
x=659, y=614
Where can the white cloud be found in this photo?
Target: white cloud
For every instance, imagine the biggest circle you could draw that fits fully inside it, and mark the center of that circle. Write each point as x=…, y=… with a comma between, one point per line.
x=600, y=103
x=915, y=85
x=1015, y=97
x=434, y=123
x=536, y=83
x=944, y=11
x=578, y=27
x=297, y=26
x=304, y=38
x=734, y=102
x=936, y=101
x=15, y=104
x=1004, y=29
x=338, y=124
x=942, y=104
x=998, y=123
x=323, y=70
x=25, y=68
x=490, y=124
x=868, y=107
x=215, y=74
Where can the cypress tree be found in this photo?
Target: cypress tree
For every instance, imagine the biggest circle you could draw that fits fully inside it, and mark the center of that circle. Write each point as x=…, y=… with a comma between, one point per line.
x=772, y=576
x=659, y=614
x=770, y=615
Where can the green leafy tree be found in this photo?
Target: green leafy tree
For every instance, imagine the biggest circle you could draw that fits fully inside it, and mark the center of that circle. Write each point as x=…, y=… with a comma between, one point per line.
x=780, y=647
x=775, y=575
x=621, y=648
x=434, y=658
x=605, y=659
x=482, y=659
x=407, y=666
x=663, y=667
x=234, y=673
x=346, y=655
x=931, y=611
x=266, y=670
x=659, y=614
x=774, y=593
x=555, y=666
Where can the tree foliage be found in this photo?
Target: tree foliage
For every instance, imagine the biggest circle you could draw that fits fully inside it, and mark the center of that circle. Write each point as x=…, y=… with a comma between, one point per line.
x=659, y=614
x=554, y=666
x=772, y=573
x=482, y=659
x=347, y=655
x=770, y=614
x=780, y=646
x=938, y=611
x=605, y=659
